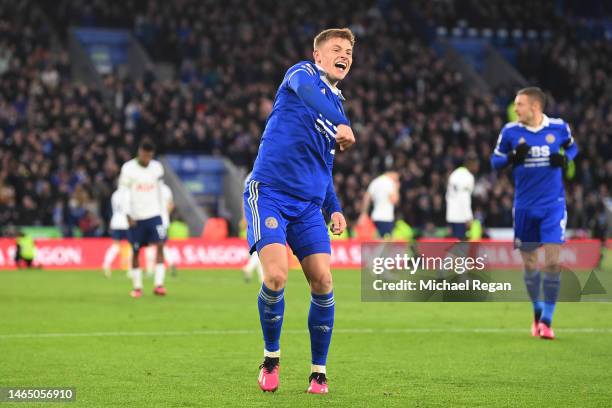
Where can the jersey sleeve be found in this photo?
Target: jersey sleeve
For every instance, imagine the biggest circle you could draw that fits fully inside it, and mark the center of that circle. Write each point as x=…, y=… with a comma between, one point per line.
x=167, y=193
x=125, y=177
x=372, y=187
x=331, y=203
x=503, y=147
x=470, y=183
x=303, y=80
x=571, y=149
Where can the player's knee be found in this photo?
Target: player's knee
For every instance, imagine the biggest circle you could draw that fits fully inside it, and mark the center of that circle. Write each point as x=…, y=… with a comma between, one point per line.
x=552, y=267
x=275, y=277
x=530, y=262
x=275, y=282
x=321, y=283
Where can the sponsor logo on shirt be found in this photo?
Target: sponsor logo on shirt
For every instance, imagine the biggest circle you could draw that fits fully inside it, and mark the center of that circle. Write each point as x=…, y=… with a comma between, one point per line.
x=144, y=187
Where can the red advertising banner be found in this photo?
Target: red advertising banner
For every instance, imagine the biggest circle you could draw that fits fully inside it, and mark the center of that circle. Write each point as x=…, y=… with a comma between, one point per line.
x=499, y=255
x=88, y=253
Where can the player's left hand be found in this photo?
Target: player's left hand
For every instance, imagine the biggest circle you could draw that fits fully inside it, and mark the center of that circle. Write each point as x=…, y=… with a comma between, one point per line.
x=338, y=223
x=558, y=160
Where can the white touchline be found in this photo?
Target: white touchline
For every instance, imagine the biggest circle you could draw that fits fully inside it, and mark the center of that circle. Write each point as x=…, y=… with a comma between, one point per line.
x=214, y=332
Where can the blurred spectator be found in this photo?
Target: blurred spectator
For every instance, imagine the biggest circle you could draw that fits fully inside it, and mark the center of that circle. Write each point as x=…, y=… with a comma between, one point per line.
x=62, y=143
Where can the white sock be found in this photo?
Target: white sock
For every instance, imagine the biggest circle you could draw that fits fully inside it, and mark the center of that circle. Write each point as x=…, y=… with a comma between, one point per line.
x=129, y=261
x=317, y=369
x=110, y=255
x=160, y=272
x=150, y=254
x=137, y=277
x=272, y=354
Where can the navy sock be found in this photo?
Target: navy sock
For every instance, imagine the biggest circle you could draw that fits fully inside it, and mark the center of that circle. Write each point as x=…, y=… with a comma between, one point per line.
x=532, y=281
x=271, y=306
x=552, y=283
x=320, y=325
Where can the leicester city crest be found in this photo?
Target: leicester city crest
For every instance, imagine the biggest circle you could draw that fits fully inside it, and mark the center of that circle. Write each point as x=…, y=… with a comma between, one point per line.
x=550, y=138
x=271, y=222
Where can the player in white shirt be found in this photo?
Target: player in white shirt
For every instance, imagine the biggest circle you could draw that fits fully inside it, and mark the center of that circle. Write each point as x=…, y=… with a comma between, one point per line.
x=383, y=192
x=142, y=179
x=119, y=232
x=459, y=197
x=167, y=207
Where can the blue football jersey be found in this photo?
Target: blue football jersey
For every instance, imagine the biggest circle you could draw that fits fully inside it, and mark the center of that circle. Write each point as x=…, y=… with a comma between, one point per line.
x=297, y=148
x=536, y=182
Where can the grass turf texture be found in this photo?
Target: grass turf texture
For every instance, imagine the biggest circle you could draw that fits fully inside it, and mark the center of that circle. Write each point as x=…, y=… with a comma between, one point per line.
x=201, y=346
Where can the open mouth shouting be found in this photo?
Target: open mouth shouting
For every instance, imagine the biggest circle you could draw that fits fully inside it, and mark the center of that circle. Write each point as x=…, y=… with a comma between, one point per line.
x=341, y=65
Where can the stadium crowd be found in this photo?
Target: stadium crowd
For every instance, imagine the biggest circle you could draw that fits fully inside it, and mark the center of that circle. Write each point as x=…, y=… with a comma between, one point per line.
x=61, y=144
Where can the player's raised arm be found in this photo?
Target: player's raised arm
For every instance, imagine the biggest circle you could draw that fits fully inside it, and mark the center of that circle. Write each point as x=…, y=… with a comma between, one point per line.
x=304, y=83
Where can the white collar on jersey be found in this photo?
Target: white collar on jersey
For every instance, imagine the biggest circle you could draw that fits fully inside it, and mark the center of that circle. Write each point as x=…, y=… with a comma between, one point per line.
x=334, y=89
x=545, y=123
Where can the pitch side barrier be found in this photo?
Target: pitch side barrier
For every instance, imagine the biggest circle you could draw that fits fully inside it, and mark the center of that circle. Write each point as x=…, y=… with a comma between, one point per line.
x=196, y=253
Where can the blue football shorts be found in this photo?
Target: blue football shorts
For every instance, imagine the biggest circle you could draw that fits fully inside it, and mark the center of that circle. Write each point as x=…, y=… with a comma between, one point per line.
x=536, y=226
x=276, y=217
x=119, y=234
x=145, y=232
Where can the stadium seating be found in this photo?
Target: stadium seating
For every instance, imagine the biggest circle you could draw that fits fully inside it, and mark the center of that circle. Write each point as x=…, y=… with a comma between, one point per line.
x=61, y=145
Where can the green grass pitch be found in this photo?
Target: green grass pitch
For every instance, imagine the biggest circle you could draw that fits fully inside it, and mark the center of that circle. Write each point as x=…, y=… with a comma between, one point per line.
x=201, y=346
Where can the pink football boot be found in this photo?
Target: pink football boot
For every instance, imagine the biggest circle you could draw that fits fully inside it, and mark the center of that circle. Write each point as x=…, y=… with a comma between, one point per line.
x=268, y=375
x=546, y=332
x=535, y=330
x=318, y=384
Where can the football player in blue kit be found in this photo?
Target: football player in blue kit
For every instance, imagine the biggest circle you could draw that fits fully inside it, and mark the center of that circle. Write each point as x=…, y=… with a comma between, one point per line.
x=290, y=188
x=538, y=148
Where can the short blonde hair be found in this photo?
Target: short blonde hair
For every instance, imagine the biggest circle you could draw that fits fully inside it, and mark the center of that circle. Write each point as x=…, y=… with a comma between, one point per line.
x=330, y=33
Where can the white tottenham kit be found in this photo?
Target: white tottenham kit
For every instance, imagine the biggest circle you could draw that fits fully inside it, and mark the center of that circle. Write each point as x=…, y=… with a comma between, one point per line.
x=381, y=189
x=459, y=196
x=144, y=197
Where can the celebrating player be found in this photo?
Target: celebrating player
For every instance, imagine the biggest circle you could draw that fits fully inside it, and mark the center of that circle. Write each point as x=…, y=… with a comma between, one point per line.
x=290, y=186
x=538, y=148
x=141, y=178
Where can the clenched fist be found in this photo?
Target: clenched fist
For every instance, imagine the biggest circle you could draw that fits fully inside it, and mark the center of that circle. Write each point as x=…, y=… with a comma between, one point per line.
x=345, y=137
